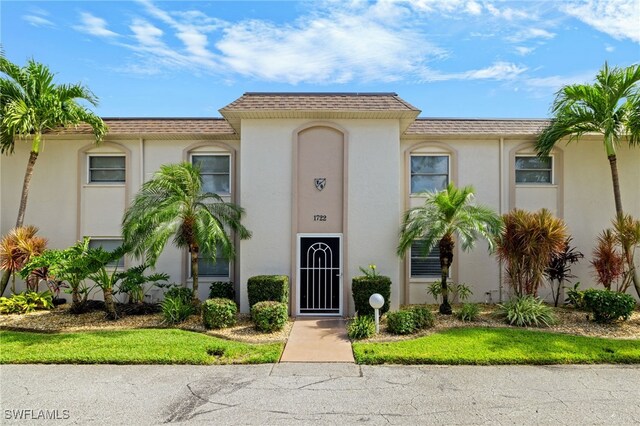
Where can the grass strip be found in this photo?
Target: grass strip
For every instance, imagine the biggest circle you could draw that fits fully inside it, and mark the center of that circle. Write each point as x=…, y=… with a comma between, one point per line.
x=495, y=346
x=144, y=346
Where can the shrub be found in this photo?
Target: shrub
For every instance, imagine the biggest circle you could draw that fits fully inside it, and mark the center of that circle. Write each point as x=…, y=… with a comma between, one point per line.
x=422, y=316
x=177, y=308
x=178, y=292
x=361, y=327
x=363, y=287
x=219, y=313
x=273, y=288
x=526, y=311
x=468, y=312
x=457, y=292
x=525, y=246
x=401, y=322
x=575, y=297
x=222, y=289
x=608, y=306
x=28, y=301
x=269, y=316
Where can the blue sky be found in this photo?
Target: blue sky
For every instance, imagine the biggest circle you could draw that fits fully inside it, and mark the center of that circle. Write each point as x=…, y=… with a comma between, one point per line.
x=456, y=58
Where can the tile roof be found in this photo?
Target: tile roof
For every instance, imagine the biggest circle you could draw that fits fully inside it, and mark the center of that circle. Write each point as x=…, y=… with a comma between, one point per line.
x=465, y=126
x=156, y=126
x=252, y=101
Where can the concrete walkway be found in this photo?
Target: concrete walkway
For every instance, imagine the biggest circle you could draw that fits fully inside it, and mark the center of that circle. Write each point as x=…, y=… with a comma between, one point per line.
x=318, y=340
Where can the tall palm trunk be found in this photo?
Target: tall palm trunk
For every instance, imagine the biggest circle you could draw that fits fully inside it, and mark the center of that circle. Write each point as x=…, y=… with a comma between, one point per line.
x=33, y=156
x=194, y=272
x=446, y=258
x=613, y=162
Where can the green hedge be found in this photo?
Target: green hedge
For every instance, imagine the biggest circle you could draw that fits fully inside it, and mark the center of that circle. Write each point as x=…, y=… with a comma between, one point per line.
x=608, y=306
x=219, y=313
x=222, y=289
x=269, y=316
x=273, y=288
x=401, y=322
x=363, y=287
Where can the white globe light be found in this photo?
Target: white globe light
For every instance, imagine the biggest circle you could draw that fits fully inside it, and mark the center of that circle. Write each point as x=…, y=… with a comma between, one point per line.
x=376, y=301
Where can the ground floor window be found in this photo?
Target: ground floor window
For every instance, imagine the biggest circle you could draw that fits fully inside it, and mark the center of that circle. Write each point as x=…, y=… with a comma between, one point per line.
x=108, y=244
x=424, y=266
x=217, y=267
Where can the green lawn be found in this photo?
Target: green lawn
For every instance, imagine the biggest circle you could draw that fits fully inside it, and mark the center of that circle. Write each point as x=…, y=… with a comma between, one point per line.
x=488, y=346
x=145, y=346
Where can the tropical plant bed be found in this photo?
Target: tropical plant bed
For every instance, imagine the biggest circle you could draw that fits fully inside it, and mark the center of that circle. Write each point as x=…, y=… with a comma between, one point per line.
x=571, y=321
x=494, y=346
x=60, y=320
x=149, y=346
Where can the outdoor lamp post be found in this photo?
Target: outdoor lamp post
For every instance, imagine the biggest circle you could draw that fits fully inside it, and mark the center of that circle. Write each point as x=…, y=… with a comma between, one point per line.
x=377, y=301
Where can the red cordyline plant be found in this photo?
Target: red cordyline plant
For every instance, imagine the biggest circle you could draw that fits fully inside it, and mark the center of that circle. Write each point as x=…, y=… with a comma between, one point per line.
x=526, y=246
x=614, y=253
x=17, y=247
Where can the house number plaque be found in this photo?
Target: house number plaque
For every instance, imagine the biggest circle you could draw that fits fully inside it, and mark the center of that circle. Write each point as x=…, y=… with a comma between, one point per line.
x=319, y=217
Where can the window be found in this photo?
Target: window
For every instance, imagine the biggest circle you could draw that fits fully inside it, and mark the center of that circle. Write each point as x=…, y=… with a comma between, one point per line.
x=215, y=171
x=218, y=267
x=108, y=245
x=425, y=266
x=531, y=169
x=429, y=173
x=107, y=168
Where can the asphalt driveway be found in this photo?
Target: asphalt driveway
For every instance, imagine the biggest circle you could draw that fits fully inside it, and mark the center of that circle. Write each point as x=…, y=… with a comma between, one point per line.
x=319, y=393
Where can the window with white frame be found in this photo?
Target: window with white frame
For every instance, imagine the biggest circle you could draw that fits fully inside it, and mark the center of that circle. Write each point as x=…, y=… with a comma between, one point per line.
x=215, y=170
x=429, y=173
x=534, y=170
x=107, y=169
x=425, y=266
x=108, y=244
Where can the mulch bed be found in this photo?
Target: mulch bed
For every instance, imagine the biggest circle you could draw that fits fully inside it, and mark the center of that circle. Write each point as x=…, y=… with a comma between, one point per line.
x=571, y=321
x=60, y=319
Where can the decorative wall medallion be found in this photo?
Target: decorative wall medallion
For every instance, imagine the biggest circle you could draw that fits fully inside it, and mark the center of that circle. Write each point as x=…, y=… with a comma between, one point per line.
x=320, y=183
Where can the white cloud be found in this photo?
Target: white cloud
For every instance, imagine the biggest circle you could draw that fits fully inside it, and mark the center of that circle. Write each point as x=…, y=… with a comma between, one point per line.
x=609, y=48
x=37, y=21
x=555, y=82
x=618, y=18
x=497, y=71
x=333, y=47
x=529, y=34
x=93, y=25
x=524, y=50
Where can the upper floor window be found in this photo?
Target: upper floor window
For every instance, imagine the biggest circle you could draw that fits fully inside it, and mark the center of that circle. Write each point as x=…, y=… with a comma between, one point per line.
x=532, y=169
x=107, y=169
x=108, y=244
x=425, y=266
x=429, y=173
x=215, y=170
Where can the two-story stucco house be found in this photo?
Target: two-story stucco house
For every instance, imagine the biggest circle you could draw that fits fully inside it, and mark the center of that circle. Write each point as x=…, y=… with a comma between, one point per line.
x=324, y=179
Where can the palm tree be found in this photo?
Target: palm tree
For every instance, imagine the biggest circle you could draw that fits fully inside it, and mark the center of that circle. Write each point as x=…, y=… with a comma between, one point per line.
x=610, y=107
x=30, y=105
x=443, y=215
x=172, y=204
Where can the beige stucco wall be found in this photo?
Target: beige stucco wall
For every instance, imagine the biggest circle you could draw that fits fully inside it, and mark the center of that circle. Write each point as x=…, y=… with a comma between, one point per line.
x=582, y=194
x=65, y=208
x=372, y=203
